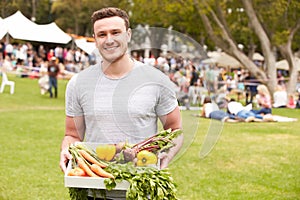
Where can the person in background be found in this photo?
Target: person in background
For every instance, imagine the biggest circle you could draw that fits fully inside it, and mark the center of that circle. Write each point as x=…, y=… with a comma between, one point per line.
x=247, y=113
x=250, y=87
x=139, y=94
x=44, y=78
x=9, y=49
x=2, y=50
x=211, y=110
x=298, y=100
x=280, y=97
x=53, y=71
x=210, y=78
x=263, y=100
x=291, y=101
x=194, y=76
x=244, y=112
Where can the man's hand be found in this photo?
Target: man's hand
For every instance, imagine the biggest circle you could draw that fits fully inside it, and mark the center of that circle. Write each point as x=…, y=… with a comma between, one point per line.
x=166, y=157
x=75, y=129
x=164, y=160
x=65, y=156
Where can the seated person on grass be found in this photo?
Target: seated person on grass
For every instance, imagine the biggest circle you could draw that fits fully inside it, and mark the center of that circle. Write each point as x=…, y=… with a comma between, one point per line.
x=280, y=97
x=245, y=112
x=211, y=110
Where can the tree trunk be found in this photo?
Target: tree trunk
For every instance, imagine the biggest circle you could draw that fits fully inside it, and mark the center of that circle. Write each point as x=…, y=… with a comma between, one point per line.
x=286, y=51
x=293, y=69
x=266, y=46
x=227, y=44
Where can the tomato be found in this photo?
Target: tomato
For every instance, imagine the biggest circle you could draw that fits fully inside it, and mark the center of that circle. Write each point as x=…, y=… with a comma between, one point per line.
x=77, y=171
x=145, y=158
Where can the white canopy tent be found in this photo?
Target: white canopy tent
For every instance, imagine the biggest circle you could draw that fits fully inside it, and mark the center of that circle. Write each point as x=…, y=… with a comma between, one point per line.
x=52, y=33
x=88, y=47
x=283, y=64
x=3, y=28
x=222, y=59
x=225, y=60
x=20, y=27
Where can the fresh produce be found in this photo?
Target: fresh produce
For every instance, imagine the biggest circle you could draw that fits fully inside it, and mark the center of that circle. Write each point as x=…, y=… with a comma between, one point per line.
x=101, y=172
x=106, y=151
x=129, y=154
x=136, y=164
x=145, y=158
x=87, y=153
x=88, y=161
x=120, y=146
x=145, y=182
x=160, y=142
x=90, y=158
x=77, y=171
x=85, y=167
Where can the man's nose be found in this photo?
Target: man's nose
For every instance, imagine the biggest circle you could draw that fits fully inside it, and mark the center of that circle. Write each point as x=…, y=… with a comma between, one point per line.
x=109, y=38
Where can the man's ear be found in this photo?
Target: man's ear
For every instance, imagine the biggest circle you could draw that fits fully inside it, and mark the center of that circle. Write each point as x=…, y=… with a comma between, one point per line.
x=94, y=39
x=129, y=33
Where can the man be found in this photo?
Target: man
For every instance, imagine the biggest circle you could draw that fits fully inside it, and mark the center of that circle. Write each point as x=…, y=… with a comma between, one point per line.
x=53, y=71
x=118, y=99
x=251, y=87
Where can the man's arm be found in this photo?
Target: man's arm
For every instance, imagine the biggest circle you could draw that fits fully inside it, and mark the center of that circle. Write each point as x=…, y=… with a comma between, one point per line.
x=74, y=132
x=173, y=121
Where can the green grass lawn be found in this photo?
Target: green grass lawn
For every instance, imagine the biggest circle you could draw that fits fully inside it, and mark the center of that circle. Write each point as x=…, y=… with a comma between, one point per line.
x=249, y=161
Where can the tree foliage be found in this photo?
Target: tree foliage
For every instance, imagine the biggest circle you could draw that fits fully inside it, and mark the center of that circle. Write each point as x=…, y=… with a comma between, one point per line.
x=260, y=25
x=75, y=15
x=268, y=26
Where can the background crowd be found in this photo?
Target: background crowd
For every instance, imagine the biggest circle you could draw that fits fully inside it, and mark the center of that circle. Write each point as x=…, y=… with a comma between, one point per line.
x=193, y=81
x=27, y=61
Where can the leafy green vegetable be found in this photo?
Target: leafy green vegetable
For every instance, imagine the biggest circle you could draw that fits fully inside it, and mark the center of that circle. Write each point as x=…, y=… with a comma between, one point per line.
x=78, y=193
x=162, y=141
x=145, y=182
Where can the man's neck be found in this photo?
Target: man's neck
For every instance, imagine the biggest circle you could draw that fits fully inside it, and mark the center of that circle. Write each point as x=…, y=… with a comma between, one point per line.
x=119, y=68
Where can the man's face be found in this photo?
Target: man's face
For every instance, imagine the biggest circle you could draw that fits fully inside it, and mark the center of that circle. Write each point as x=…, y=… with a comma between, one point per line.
x=111, y=38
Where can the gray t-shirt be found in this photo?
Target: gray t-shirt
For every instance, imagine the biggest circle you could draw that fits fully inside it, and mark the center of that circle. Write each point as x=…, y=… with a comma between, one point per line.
x=118, y=110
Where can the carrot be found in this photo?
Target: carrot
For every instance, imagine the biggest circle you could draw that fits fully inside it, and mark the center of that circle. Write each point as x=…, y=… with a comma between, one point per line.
x=101, y=172
x=85, y=167
x=90, y=158
x=77, y=171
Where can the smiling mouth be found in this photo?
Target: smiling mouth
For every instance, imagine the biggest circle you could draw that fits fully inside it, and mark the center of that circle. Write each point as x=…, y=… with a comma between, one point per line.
x=110, y=48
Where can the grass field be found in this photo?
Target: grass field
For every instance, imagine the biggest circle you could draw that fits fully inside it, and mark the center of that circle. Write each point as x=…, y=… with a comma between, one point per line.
x=249, y=161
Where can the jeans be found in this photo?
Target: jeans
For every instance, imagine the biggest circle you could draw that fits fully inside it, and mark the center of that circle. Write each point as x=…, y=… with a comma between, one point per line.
x=263, y=111
x=245, y=114
x=53, y=83
x=218, y=115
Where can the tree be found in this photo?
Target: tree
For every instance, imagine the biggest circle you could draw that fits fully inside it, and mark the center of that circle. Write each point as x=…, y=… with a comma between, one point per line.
x=285, y=25
x=164, y=13
x=218, y=30
x=228, y=23
x=74, y=16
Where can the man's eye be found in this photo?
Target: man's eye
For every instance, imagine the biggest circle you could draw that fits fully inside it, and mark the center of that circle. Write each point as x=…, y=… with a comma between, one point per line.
x=101, y=35
x=116, y=32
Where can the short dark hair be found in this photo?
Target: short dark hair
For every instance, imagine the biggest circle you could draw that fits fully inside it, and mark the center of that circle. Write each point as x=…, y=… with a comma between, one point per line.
x=111, y=12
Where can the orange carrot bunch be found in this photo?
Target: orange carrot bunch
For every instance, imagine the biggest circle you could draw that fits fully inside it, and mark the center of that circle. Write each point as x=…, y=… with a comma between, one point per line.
x=86, y=160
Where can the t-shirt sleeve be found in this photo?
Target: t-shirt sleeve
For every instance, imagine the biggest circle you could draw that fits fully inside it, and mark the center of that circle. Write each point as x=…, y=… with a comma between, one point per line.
x=73, y=107
x=167, y=99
